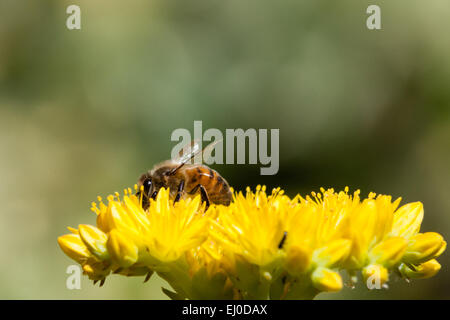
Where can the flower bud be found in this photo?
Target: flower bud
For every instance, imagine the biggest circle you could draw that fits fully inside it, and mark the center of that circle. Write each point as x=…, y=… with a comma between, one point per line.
x=72, y=246
x=425, y=270
x=95, y=240
x=297, y=259
x=326, y=280
x=389, y=252
x=332, y=254
x=123, y=251
x=407, y=219
x=423, y=247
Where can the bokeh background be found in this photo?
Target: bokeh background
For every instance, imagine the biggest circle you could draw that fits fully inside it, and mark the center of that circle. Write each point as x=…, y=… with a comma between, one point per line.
x=85, y=112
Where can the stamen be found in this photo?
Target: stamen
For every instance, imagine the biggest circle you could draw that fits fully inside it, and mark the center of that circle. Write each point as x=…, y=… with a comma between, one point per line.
x=141, y=194
x=94, y=208
x=73, y=230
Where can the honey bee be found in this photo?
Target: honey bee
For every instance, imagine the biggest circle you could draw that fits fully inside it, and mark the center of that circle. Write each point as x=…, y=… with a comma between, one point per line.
x=185, y=179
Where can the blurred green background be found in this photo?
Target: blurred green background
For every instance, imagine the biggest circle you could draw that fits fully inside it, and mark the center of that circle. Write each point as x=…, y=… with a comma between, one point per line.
x=85, y=112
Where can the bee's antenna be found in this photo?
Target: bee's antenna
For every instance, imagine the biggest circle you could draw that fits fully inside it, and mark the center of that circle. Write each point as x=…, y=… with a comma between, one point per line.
x=173, y=171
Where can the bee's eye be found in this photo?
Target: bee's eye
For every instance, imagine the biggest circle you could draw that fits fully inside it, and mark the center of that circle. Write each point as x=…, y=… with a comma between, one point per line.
x=147, y=185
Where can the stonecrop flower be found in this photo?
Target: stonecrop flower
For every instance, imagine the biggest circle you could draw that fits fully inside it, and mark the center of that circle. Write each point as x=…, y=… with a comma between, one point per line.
x=260, y=246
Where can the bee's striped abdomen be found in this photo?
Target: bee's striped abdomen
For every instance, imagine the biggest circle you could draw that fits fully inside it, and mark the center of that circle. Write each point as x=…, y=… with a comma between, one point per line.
x=216, y=187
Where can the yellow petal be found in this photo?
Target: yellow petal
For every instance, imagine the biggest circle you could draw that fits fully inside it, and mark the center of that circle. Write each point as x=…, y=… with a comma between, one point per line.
x=441, y=249
x=326, y=280
x=407, y=220
x=364, y=218
x=333, y=253
x=73, y=230
x=123, y=251
x=95, y=240
x=425, y=270
x=423, y=247
x=389, y=252
x=115, y=217
x=136, y=213
x=72, y=246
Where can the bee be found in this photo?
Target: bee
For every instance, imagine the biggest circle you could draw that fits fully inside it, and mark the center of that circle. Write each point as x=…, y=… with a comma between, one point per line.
x=185, y=179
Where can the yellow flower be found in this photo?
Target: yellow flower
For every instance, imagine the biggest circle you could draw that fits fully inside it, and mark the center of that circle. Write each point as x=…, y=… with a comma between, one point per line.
x=162, y=234
x=383, y=237
x=260, y=246
x=251, y=227
x=75, y=248
x=369, y=225
x=174, y=229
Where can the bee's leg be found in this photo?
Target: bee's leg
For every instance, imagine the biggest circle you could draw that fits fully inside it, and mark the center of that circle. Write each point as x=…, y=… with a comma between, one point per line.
x=145, y=203
x=203, y=193
x=205, y=197
x=154, y=194
x=179, y=192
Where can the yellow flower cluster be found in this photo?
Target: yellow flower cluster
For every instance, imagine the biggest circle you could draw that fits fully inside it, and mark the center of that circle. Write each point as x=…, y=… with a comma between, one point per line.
x=260, y=246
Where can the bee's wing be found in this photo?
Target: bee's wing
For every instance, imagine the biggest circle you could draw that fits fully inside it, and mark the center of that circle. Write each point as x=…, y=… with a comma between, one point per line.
x=188, y=152
x=192, y=151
